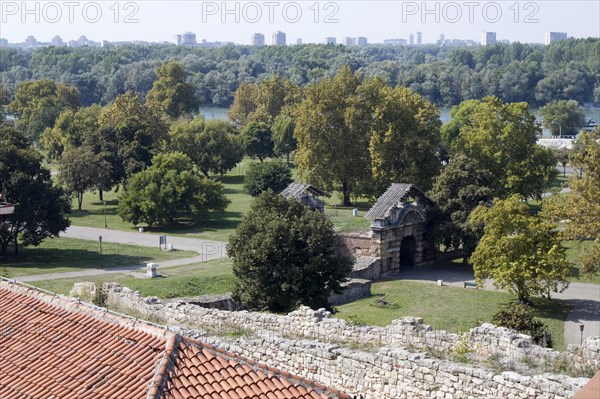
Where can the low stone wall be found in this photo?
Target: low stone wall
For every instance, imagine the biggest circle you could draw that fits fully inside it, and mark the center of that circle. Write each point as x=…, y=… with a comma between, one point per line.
x=367, y=268
x=355, y=245
x=222, y=302
x=314, y=345
x=394, y=373
x=354, y=290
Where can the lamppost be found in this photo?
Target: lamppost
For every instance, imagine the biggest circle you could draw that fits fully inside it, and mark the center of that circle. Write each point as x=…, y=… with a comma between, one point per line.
x=559, y=129
x=104, y=203
x=100, y=239
x=581, y=327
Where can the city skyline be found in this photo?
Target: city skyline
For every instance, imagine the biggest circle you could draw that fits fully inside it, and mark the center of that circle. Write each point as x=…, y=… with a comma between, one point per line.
x=526, y=22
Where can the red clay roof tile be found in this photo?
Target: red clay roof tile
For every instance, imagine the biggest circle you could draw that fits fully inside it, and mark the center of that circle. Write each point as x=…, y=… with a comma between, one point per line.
x=51, y=347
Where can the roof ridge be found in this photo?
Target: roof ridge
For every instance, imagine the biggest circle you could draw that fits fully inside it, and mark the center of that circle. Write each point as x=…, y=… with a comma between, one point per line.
x=160, y=378
x=259, y=366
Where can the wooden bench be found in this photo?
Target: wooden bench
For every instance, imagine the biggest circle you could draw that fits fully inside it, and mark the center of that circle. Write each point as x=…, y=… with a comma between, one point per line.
x=469, y=284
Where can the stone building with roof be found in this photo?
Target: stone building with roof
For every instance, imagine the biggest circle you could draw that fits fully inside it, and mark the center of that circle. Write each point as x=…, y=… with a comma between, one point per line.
x=307, y=194
x=59, y=348
x=401, y=233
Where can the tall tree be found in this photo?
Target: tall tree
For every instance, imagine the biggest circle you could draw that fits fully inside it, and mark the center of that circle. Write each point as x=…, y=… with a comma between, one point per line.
x=461, y=187
x=257, y=140
x=168, y=189
x=40, y=207
x=213, y=146
x=520, y=252
x=578, y=212
x=283, y=136
x=70, y=130
x=130, y=132
x=562, y=117
x=283, y=256
x=333, y=140
x=80, y=170
x=39, y=103
x=502, y=139
x=171, y=93
x=405, y=140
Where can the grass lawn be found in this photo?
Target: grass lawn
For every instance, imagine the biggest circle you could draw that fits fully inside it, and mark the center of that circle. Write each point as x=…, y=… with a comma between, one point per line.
x=58, y=255
x=574, y=249
x=214, y=226
x=444, y=308
x=208, y=278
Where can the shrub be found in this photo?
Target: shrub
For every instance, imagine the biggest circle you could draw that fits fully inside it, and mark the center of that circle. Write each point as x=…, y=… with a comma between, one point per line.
x=268, y=175
x=519, y=316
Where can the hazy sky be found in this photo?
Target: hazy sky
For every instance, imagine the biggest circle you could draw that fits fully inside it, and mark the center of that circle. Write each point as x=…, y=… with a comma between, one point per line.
x=160, y=20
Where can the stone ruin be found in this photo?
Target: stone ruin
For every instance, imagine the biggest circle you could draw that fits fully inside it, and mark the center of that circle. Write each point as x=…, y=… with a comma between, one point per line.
x=406, y=359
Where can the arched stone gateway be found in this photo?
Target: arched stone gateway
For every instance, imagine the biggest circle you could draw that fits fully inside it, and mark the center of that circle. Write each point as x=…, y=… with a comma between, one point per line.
x=400, y=227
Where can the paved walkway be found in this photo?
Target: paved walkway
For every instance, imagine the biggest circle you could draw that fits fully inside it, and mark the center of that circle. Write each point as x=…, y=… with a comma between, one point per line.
x=207, y=250
x=584, y=298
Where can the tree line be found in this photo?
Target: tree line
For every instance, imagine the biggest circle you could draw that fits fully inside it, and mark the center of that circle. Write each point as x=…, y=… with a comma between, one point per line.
x=445, y=76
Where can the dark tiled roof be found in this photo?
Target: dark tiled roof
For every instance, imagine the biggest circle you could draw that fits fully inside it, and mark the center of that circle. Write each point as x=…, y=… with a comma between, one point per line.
x=52, y=347
x=296, y=190
x=391, y=198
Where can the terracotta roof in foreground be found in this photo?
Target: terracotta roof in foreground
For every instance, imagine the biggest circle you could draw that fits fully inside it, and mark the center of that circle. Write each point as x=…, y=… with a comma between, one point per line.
x=53, y=347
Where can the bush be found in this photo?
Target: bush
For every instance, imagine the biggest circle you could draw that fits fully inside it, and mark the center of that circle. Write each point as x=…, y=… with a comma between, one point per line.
x=519, y=316
x=268, y=175
x=283, y=256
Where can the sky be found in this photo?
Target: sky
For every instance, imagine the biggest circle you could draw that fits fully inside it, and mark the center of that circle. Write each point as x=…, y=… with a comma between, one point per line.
x=236, y=21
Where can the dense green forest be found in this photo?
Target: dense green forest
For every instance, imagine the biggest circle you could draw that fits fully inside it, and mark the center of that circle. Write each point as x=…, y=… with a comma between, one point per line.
x=444, y=75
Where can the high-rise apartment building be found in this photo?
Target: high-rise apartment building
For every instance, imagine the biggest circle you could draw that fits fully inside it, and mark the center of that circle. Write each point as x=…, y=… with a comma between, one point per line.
x=488, y=38
x=258, y=39
x=419, y=38
x=278, y=38
x=552, y=37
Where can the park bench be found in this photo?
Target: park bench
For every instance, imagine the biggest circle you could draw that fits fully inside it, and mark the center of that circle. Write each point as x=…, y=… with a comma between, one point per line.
x=469, y=284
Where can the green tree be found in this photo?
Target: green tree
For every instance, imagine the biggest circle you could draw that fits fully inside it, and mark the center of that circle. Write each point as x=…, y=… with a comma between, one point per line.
x=578, y=212
x=460, y=116
x=265, y=176
x=70, y=130
x=213, y=145
x=520, y=252
x=502, y=139
x=405, y=139
x=130, y=133
x=283, y=256
x=333, y=132
x=80, y=170
x=244, y=104
x=562, y=117
x=562, y=156
x=283, y=136
x=39, y=103
x=40, y=207
x=461, y=187
x=258, y=141
x=168, y=189
x=171, y=93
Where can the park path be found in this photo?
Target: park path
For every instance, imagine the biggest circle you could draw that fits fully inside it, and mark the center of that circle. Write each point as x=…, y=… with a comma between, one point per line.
x=206, y=249
x=584, y=298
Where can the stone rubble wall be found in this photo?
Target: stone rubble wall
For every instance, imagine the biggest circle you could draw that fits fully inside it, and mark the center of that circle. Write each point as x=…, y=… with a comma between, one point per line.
x=354, y=290
x=356, y=245
x=396, y=373
x=309, y=343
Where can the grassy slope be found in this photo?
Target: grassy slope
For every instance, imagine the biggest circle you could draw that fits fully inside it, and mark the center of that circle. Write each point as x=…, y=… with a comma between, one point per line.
x=214, y=277
x=58, y=255
x=444, y=308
